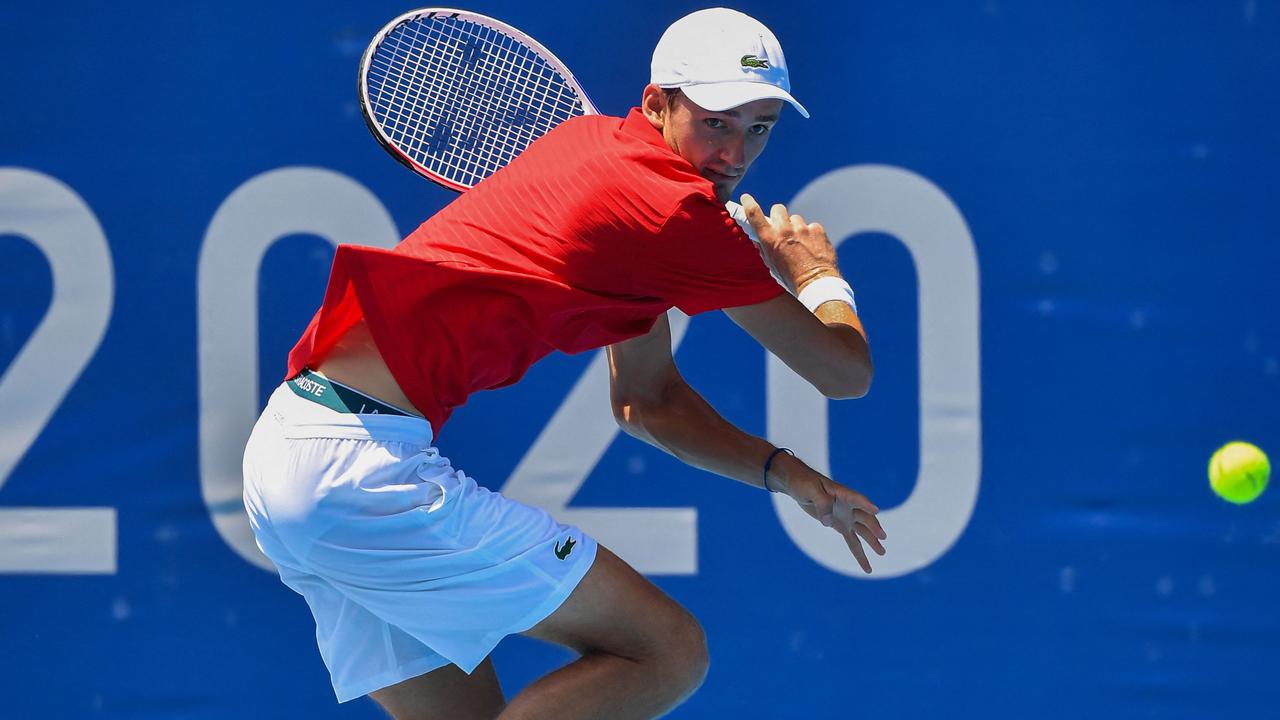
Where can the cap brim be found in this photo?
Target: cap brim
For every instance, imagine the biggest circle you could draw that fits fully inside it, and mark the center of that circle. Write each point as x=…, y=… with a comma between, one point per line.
x=718, y=97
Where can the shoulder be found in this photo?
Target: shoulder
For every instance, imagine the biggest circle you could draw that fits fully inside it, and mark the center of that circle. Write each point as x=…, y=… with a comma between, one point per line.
x=592, y=129
x=701, y=215
x=631, y=153
x=627, y=163
x=586, y=124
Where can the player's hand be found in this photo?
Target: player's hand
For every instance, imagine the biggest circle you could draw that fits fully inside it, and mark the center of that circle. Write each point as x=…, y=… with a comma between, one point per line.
x=846, y=511
x=800, y=251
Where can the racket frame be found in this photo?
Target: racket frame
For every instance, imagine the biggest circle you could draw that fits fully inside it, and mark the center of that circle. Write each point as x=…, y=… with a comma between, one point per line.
x=366, y=104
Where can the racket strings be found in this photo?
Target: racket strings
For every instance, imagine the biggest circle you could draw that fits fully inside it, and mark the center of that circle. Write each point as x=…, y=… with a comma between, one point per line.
x=533, y=82
x=462, y=99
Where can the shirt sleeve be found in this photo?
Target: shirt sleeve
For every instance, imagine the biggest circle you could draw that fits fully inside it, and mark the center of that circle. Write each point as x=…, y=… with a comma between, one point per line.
x=701, y=260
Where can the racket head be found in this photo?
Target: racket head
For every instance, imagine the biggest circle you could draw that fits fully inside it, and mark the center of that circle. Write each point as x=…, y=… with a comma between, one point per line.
x=455, y=95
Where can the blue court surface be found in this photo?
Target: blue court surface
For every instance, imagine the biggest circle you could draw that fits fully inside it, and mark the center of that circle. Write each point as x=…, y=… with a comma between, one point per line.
x=1061, y=221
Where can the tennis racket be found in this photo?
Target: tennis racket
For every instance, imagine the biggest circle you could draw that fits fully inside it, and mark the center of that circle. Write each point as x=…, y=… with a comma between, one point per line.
x=455, y=96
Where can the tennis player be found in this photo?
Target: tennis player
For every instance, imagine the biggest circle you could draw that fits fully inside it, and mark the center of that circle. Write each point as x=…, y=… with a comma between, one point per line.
x=413, y=572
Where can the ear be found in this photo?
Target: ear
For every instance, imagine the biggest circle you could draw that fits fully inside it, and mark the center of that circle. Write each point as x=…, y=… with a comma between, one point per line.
x=653, y=103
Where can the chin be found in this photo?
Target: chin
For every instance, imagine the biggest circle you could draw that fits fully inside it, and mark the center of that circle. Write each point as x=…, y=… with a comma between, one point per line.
x=724, y=193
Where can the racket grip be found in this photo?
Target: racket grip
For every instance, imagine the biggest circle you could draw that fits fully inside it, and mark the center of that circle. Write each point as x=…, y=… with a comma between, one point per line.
x=739, y=214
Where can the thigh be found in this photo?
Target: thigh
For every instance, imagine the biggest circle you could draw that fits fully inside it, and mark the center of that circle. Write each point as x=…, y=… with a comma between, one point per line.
x=615, y=609
x=445, y=694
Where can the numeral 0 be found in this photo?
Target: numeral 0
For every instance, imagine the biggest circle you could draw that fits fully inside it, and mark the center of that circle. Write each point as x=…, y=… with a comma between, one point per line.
x=264, y=209
x=877, y=198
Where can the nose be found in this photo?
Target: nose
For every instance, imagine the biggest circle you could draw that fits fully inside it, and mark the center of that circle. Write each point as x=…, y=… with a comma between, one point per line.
x=733, y=154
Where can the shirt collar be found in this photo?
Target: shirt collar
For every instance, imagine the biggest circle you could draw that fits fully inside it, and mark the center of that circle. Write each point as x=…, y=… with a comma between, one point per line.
x=638, y=126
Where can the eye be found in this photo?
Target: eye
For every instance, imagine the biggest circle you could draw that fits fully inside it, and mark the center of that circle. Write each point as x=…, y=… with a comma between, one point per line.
x=715, y=123
x=758, y=129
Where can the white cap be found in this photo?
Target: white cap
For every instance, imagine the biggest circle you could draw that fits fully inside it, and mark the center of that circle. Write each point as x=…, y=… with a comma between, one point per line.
x=721, y=59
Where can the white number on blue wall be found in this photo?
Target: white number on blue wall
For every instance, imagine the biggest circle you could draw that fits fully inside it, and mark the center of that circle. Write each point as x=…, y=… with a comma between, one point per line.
x=288, y=201
x=59, y=223
x=884, y=199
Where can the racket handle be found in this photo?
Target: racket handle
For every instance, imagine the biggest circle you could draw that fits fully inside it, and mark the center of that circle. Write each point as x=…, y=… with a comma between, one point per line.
x=739, y=214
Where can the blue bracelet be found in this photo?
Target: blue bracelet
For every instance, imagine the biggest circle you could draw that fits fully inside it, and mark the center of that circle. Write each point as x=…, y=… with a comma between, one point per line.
x=769, y=462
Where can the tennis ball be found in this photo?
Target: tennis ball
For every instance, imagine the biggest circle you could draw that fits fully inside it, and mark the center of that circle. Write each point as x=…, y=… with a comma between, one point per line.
x=1238, y=472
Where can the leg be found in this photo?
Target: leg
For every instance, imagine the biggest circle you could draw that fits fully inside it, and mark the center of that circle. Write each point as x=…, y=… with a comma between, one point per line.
x=445, y=694
x=642, y=653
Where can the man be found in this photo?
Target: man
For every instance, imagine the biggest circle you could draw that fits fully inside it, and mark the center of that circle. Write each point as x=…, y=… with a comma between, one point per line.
x=413, y=571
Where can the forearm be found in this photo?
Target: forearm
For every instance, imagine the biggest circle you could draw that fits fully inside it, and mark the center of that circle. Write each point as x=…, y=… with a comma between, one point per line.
x=836, y=314
x=844, y=344
x=679, y=421
x=805, y=261
x=685, y=425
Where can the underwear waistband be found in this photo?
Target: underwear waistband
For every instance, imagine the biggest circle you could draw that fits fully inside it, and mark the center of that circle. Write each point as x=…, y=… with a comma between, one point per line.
x=317, y=388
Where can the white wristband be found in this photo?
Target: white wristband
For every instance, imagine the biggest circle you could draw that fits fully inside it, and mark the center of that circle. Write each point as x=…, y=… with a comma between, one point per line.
x=826, y=289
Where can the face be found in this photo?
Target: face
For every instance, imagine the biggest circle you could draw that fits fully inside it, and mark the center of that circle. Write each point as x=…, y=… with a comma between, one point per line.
x=720, y=145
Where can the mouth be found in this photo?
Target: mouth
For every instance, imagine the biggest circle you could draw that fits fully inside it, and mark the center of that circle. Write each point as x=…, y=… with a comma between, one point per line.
x=720, y=178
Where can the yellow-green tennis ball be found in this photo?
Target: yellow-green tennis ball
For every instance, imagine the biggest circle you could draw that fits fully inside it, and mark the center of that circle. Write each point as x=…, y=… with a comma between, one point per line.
x=1238, y=472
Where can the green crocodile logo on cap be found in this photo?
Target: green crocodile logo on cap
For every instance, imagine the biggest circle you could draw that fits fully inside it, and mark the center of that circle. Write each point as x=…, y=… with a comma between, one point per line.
x=751, y=61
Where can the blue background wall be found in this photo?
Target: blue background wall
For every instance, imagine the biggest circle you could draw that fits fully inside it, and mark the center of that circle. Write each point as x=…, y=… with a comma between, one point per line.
x=1116, y=167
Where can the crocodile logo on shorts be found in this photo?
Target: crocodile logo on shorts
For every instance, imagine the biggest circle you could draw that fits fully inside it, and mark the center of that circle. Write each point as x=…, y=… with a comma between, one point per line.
x=751, y=61
x=563, y=553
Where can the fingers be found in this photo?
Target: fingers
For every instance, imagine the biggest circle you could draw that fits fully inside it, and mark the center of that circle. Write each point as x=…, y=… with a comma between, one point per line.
x=865, y=523
x=854, y=517
x=857, y=527
x=871, y=522
x=849, y=513
x=779, y=219
x=844, y=510
x=855, y=534
x=869, y=536
x=755, y=215
x=798, y=225
x=855, y=547
x=854, y=498
x=778, y=216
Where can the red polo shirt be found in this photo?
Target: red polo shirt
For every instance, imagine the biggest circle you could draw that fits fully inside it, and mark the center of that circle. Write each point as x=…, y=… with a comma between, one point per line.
x=582, y=241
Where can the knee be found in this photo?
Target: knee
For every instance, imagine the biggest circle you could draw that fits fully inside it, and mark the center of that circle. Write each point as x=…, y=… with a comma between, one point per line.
x=685, y=655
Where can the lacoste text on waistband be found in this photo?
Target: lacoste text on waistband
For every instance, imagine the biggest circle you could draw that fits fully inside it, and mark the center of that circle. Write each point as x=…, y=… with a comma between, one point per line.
x=335, y=396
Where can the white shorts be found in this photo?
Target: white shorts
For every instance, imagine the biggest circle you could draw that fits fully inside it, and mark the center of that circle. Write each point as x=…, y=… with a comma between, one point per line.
x=406, y=563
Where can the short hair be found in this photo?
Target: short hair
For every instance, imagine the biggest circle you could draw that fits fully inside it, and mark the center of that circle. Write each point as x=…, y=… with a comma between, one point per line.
x=671, y=94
